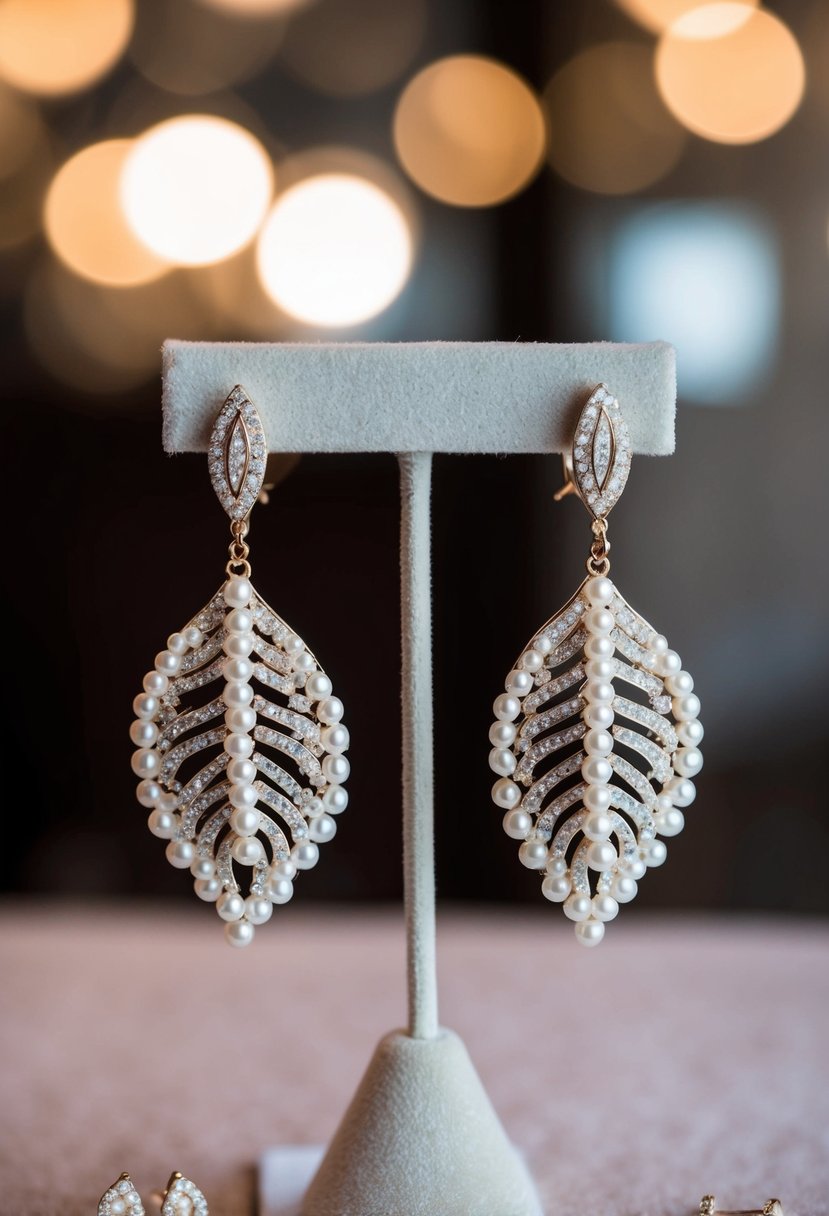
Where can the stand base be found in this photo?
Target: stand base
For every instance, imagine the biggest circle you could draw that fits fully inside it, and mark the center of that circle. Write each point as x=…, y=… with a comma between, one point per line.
x=420, y=1137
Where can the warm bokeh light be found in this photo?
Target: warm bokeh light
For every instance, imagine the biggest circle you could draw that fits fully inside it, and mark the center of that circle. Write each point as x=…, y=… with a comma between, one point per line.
x=335, y=250
x=85, y=223
x=195, y=189
x=615, y=139
x=352, y=47
x=255, y=8
x=735, y=87
x=52, y=47
x=658, y=15
x=469, y=131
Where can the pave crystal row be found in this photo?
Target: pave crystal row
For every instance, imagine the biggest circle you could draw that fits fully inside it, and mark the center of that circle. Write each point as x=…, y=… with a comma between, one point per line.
x=122, y=1199
x=596, y=735
x=244, y=779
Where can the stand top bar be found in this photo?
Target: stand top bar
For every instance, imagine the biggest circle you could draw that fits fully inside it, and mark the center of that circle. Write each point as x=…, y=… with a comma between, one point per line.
x=418, y=396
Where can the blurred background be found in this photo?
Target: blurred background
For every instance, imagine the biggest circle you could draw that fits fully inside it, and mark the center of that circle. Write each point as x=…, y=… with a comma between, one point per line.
x=365, y=170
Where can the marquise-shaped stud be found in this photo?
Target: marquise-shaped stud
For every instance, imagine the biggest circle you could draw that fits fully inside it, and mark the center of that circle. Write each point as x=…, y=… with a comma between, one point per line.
x=599, y=463
x=121, y=1199
x=182, y=1198
x=237, y=455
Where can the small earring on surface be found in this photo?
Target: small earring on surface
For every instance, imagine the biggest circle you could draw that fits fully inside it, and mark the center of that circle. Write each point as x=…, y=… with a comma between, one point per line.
x=121, y=1199
x=708, y=1207
x=589, y=772
x=275, y=760
x=181, y=1198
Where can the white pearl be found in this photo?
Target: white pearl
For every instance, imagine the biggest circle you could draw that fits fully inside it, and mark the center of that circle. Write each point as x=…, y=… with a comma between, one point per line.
x=650, y=660
x=146, y=762
x=506, y=793
x=599, y=591
x=180, y=854
x=208, y=889
x=238, y=645
x=670, y=664
x=237, y=592
x=237, y=694
x=687, y=761
x=556, y=865
x=247, y=850
x=669, y=823
x=238, y=745
x=167, y=801
x=517, y=824
x=148, y=792
x=231, y=906
x=502, y=734
x=600, y=669
x=117, y=1206
x=322, y=829
x=690, y=732
x=258, y=910
x=533, y=854
x=318, y=686
x=682, y=791
x=599, y=647
x=506, y=708
x=658, y=643
x=176, y=644
x=240, y=719
x=634, y=866
x=601, y=855
x=597, y=826
x=305, y=855
x=242, y=796
x=335, y=799
x=624, y=888
x=202, y=867
x=542, y=644
x=145, y=706
x=335, y=739
x=597, y=798
x=314, y=807
x=686, y=707
x=654, y=852
x=166, y=663
x=598, y=743
x=193, y=636
x=241, y=772
x=239, y=933
x=237, y=671
x=293, y=644
x=501, y=761
x=336, y=769
x=304, y=662
x=598, y=692
x=599, y=621
x=599, y=717
x=605, y=907
x=238, y=621
x=155, y=683
x=578, y=907
x=680, y=684
x=518, y=682
x=143, y=734
x=556, y=887
x=280, y=890
x=283, y=869
x=162, y=824
x=532, y=660
x=596, y=770
x=589, y=932
x=245, y=820
x=330, y=710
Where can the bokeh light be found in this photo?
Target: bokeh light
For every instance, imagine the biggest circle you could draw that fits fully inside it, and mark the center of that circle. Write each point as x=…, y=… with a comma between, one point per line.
x=52, y=47
x=85, y=224
x=732, y=87
x=469, y=131
x=658, y=15
x=616, y=138
x=195, y=189
x=254, y=8
x=335, y=250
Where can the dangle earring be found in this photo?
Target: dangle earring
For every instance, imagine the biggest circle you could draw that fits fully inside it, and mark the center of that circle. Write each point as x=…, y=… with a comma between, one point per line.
x=275, y=762
x=592, y=773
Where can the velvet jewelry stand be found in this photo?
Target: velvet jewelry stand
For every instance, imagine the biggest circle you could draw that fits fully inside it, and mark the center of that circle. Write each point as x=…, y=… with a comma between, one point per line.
x=420, y=1136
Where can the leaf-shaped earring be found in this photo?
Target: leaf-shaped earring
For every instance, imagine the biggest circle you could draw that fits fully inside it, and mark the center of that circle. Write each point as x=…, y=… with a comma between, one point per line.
x=591, y=773
x=274, y=753
x=121, y=1199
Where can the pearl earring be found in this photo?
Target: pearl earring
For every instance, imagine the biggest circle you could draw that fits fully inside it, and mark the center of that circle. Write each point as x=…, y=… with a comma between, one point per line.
x=181, y=1198
x=581, y=793
x=121, y=1199
x=277, y=751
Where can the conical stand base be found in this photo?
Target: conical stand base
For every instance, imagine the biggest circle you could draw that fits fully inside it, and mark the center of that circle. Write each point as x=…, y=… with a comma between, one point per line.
x=421, y=1137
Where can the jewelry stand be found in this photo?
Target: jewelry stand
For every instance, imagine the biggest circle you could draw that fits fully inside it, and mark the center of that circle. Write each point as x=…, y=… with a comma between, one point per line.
x=420, y=1135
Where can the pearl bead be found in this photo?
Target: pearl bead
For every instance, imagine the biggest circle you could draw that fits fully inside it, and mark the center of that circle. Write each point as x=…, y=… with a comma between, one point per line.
x=690, y=732
x=293, y=644
x=242, y=795
x=238, y=621
x=247, y=850
x=680, y=684
x=654, y=852
x=202, y=867
x=556, y=865
x=687, y=761
x=599, y=591
x=240, y=933
x=166, y=663
x=533, y=854
x=335, y=769
x=542, y=644
x=162, y=824
x=335, y=739
x=598, y=743
x=589, y=932
x=599, y=717
x=532, y=660
x=556, y=887
x=650, y=660
x=238, y=746
x=304, y=662
x=237, y=592
x=155, y=683
x=682, y=791
x=258, y=910
x=518, y=682
x=148, y=792
x=335, y=799
x=208, y=889
x=146, y=762
x=506, y=708
x=577, y=907
x=167, y=801
x=176, y=644
x=658, y=643
x=670, y=664
x=231, y=906
x=517, y=824
x=237, y=694
x=314, y=807
x=624, y=888
x=238, y=645
x=597, y=826
x=599, y=621
x=245, y=820
x=322, y=829
x=280, y=890
x=241, y=772
x=597, y=798
x=599, y=647
x=180, y=853
x=669, y=823
x=146, y=707
x=283, y=869
x=634, y=866
x=318, y=686
x=330, y=710
x=596, y=770
x=686, y=707
x=506, y=793
x=502, y=734
x=601, y=855
x=598, y=692
x=237, y=671
x=600, y=669
x=240, y=719
x=193, y=636
x=143, y=734
x=605, y=907
x=501, y=761
x=305, y=855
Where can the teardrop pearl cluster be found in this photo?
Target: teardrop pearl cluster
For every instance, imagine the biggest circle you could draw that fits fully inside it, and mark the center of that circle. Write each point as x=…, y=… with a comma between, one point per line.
x=615, y=813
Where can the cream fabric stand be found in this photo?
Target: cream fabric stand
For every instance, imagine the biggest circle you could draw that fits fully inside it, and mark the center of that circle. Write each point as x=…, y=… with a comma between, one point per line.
x=420, y=1135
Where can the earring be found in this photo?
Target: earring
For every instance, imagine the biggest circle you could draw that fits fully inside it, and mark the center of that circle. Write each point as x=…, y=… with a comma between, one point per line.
x=121, y=1199
x=276, y=751
x=590, y=773
x=182, y=1198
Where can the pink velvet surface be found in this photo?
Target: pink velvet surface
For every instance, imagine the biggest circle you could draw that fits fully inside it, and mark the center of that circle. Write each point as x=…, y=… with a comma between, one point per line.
x=680, y=1058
